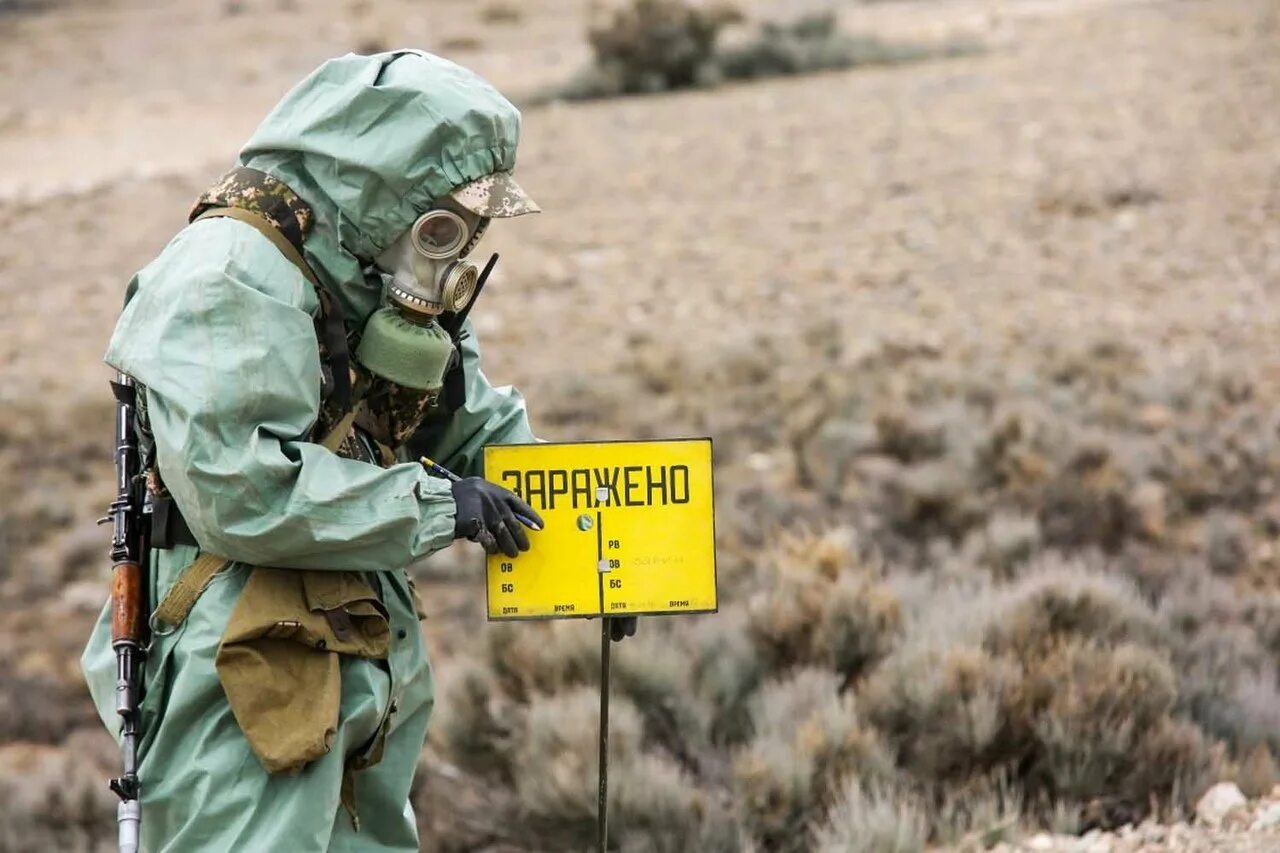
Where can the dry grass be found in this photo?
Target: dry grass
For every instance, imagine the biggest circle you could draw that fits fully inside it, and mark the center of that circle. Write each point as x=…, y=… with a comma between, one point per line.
x=875, y=820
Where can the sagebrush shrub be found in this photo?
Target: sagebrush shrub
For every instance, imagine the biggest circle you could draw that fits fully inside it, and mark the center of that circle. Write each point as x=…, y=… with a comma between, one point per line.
x=1063, y=600
x=807, y=739
x=1256, y=717
x=1258, y=773
x=554, y=763
x=40, y=709
x=476, y=724
x=1228, y=549
x=531, y=659
x=980, y=812
x=1088, y=709
x=944, y=710
x=646, y=46
x=873, y=819
x=660, y=685
x=1261, y=610
x=933, y=498
x=821, y=604
x=57, y=799
x=655, y=805
x=860, y=624
x=1225, y=659
x=1008, y=541
x=1087, y=499
x=1173, y=765
x=726, y=672
x=655, y=45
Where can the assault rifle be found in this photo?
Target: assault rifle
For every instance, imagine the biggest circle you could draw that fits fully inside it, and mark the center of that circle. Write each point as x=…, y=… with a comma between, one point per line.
x=130, y=553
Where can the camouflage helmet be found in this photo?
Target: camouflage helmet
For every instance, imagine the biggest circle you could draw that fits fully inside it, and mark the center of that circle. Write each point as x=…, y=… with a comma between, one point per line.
x=496, y=195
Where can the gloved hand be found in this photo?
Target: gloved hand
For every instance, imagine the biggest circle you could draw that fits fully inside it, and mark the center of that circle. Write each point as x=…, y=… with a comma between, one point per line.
x=492, y=516
x=621, y=627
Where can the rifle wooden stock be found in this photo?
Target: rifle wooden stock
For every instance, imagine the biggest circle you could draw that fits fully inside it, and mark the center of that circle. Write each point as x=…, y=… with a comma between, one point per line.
x=127, y=619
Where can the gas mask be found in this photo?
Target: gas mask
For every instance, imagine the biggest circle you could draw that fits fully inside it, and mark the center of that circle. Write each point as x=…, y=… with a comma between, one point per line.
x=428, y=276
x=428, y=273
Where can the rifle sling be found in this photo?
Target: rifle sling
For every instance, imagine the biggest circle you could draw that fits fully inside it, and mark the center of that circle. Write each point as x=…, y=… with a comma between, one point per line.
x=182, y=596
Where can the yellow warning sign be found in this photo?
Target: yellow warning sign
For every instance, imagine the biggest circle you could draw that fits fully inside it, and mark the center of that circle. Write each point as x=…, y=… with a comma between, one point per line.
x=630, y=529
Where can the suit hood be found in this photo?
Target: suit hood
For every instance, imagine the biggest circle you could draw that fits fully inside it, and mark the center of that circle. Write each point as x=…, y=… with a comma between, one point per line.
x=369, y=142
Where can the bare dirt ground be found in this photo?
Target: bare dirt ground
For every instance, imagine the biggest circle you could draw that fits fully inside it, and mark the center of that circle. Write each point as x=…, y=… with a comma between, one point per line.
x=1102, y=169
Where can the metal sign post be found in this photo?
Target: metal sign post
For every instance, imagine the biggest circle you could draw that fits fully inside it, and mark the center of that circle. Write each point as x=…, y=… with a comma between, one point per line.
x=606, y=645
x=602, y=807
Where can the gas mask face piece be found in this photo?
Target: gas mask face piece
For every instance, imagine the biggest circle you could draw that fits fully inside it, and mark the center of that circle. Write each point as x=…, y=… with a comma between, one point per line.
x=403, y=342
x=428, y=273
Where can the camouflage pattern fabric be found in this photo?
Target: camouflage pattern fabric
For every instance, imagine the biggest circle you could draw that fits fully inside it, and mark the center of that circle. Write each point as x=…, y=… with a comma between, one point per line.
x=394, y=412
x=496, y=195
x=387, y=415
x=331, y=412
x=258, y=192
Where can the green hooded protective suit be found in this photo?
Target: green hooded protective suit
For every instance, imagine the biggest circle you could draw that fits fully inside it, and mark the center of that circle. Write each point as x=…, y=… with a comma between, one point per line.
x=219, y=329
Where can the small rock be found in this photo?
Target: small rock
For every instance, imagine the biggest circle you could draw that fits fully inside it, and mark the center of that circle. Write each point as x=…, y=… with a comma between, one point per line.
x=1268, y=818
x=1236, y=819
x=1150, y=500
x=1217, y=802
x=1092, y=842
x=1040, y=841
x=1154, y=417
x=1152, y=832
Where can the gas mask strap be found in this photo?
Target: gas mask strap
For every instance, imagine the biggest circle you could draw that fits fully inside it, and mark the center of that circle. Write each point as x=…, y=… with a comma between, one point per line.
x=453, y=395
x=453, y=322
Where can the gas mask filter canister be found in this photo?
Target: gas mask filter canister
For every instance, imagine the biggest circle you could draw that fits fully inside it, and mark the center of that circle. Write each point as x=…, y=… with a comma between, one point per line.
x=403, y=341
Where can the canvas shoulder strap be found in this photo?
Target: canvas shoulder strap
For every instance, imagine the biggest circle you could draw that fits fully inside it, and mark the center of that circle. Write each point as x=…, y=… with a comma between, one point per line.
x=266, y=229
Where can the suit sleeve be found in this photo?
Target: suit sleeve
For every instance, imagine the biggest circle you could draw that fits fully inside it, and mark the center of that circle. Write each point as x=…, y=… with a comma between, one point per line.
x=220, y=332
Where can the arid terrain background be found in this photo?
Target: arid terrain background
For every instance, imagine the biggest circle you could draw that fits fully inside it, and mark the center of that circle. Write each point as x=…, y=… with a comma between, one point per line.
x=988, y=342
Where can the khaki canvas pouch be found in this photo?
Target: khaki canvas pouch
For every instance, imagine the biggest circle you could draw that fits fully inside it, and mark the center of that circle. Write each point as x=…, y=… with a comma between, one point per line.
x=278, y=660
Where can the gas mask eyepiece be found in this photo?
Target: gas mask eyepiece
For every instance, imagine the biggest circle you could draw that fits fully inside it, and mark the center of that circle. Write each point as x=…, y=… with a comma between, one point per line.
x=439, y=234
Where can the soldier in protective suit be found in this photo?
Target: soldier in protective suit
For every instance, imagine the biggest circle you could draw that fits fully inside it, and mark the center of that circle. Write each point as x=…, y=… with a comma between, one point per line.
x=295, y=347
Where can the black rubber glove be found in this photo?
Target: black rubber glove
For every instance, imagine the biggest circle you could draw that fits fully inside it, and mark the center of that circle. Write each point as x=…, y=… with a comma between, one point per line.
x=492, y=516
x=621, y=627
